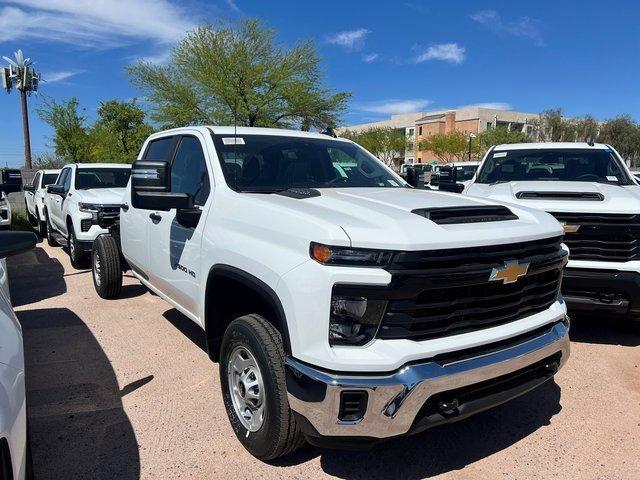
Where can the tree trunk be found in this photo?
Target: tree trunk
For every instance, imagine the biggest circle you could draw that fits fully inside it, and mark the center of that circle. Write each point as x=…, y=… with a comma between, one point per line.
x=25, y=130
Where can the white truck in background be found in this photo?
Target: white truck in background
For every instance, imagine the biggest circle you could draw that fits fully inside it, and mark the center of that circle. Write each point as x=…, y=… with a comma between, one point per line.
x=590, y=190
x=343, y=306
x=84, y=195
x=34, y=198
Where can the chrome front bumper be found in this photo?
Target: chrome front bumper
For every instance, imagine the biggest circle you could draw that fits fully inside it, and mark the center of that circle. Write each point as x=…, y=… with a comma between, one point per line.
x=396, y=399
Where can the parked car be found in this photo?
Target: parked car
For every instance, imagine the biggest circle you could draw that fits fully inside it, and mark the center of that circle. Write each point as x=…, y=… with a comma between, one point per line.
x=455, y=177
x=589, y=189
x=34, y=198
x=10, y=180
x=82, y=195
x=15, y=462
x=342, y=305
x=5, y=212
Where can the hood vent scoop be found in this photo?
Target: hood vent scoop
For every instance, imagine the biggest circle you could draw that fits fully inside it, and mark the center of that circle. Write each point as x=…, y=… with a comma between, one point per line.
x=588, y=196
x=300, y=193
x=469, y=214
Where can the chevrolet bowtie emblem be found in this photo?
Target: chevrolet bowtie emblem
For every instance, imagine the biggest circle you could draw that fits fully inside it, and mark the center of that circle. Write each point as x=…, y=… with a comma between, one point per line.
x=570, y=228
x=510, y=272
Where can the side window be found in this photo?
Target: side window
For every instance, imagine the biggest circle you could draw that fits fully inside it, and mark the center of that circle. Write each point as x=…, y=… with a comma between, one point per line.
x=189, y=171
x=67, y=180
x=160, y=149
x=36, y=180
x=62, y=177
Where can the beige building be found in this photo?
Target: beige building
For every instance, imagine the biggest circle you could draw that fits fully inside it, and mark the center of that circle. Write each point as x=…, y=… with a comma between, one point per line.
x=472, y=120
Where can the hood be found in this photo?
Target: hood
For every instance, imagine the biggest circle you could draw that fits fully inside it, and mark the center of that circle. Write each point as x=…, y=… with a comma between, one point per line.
x=383, y=218
x=614, y=198
x=104, y=196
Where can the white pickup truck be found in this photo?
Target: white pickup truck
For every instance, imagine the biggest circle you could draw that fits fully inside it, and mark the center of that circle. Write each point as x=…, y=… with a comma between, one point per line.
x=83, y=196
x=34, y=198
x=590, y=190
x=342, y=305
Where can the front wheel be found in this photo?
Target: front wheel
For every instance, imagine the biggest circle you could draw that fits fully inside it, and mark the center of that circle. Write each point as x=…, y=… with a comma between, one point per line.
x=51, y=241
x=106, y=267
x=42, y=225
x=77, y=255
x=254, y=390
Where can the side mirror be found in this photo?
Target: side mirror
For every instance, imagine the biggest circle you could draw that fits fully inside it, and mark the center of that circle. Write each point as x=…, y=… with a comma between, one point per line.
x=188, y=217
x=151, y=188
x=451, y=187
x=28, y=188
x=12, y=243
x=55, y=189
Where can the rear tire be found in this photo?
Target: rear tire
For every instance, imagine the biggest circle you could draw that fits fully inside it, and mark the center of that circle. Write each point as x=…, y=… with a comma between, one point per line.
x=252, y=350
x=77, y=255
x=51, y=241
x=105, y=267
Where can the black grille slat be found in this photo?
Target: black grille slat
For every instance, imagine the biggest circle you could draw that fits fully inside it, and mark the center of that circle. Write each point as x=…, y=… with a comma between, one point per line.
x=425, y=303
x=603, y=237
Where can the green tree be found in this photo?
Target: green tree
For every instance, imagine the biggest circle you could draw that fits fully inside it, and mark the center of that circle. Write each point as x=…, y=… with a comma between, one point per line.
x=623, y=133
x=47, y=160
x=119, y=131
x=449, y=147
x=218, y=75
x=499, y=136
x=70, y=137
x=386, y=143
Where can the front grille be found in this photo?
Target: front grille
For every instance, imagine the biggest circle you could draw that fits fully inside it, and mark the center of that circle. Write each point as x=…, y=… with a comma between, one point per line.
x=602, y=237
x=108, y=215
x=447, y=292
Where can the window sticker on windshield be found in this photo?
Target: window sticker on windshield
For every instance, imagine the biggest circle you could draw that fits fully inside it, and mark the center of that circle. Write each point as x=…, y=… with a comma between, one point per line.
x=233, y=140
x=499, y=154
x=392, y=182
x=612, y=178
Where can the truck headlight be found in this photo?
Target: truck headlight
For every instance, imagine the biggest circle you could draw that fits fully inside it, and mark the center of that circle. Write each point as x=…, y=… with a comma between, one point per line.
x=356, y=257
x=91, y=208
x=354, y=320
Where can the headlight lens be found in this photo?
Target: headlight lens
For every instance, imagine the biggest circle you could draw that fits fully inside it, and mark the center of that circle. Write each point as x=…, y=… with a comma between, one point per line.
x=354, y=320
x=365, y=257
x=88, y=207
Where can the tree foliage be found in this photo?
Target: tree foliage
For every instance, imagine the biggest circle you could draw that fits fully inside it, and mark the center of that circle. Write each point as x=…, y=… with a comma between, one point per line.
x=218, y=75
x=498, y=136
x=385, y=143
x=448, y=147
x=70, y=139
x=48, y=161
x=623, y=133
x=116, y=136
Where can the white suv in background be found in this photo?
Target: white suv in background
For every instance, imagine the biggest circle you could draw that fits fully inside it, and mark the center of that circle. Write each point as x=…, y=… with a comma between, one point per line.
x=83, y=196
x=34, y=198
x=5, y=212
x=590, y=190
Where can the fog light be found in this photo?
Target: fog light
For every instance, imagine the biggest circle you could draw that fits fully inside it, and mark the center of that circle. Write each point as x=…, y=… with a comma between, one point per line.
x=354, y=320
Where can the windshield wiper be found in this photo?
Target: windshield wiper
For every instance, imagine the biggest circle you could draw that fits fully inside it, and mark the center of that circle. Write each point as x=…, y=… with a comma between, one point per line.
x=262, y=190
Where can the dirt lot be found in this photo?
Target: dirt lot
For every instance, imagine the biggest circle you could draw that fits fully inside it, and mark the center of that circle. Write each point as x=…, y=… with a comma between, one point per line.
x=124, y=389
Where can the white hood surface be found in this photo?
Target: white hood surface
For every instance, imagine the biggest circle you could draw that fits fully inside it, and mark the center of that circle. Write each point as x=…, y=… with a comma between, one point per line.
x=617, y=198
x=383, y=218
x=103, y=196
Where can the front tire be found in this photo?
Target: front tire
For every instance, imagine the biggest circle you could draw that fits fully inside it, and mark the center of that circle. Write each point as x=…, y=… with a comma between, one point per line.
x=252, y=378
x=106, y=267
x=78, y=257
x=42, y=225
x=51, y=241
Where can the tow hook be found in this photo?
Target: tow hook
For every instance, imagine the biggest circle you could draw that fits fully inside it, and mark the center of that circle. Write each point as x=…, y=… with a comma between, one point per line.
x=448, y=408
x=552, y=367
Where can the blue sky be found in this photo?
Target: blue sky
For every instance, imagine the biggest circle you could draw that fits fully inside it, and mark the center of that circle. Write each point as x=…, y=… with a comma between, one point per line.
x=393, y=56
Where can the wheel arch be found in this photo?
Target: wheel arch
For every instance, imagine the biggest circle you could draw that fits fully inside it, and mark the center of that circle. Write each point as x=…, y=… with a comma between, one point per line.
x=214, y=329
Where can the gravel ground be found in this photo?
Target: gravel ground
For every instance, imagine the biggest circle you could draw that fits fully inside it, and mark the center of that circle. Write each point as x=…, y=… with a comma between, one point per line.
x=124, y=389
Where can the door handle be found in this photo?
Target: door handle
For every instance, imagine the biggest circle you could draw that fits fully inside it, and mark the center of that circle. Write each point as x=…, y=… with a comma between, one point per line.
x=68, y=194
x=124, y=207
x=155, y=217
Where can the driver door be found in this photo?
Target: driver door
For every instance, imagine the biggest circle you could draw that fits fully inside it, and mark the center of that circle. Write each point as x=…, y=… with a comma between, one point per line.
x=56, y=201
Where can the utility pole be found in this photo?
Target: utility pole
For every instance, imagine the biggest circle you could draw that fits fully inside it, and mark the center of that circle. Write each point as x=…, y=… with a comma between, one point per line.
x=470, y=139
x=22, y=76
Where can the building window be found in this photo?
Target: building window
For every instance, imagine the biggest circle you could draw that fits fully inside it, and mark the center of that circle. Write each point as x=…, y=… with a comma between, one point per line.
x=489, y=125
x=419, y=130
x=411, y=132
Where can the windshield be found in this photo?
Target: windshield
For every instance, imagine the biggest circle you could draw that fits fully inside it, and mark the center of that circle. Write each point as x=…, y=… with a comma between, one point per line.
x=268, y=163
x=49, y=179
x=568, y=165
x=89, y=178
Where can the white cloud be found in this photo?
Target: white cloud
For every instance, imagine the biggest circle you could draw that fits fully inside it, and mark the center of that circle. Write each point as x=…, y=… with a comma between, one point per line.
x=447, y=52
x=393, y=106
x=52, y=77
x=91, y=23
x=351, y=39
x=491, y=105
x=233, y=6
x=524, y=27
x=161, y=58
x=370, y=57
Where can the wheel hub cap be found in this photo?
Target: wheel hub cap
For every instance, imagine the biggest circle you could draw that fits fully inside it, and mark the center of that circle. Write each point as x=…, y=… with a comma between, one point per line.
x=246, y=388
x=96, y=269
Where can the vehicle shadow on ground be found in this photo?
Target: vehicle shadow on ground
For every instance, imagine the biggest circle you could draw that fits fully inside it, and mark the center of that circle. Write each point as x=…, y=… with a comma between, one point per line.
x=187, y=327
x=78, y=426
x=601, y=330
x=35, y=276
x=442, y=449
